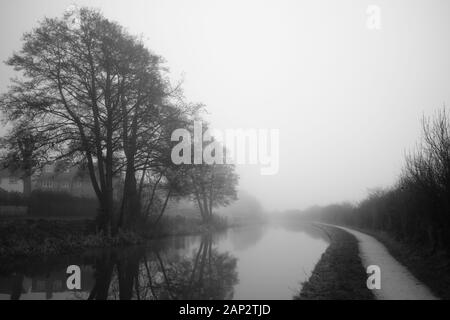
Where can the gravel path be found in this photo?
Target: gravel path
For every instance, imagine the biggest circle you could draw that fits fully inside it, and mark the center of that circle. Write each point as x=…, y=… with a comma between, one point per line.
x=397, y=283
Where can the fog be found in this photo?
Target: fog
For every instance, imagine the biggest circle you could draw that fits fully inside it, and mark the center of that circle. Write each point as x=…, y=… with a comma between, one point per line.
x=347, y=99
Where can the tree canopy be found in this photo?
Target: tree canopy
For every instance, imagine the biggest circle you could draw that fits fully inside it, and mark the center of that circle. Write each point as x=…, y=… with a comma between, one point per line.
x=94, y=94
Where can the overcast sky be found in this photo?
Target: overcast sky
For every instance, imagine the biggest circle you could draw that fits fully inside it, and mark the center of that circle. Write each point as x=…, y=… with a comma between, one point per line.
x=347, y=100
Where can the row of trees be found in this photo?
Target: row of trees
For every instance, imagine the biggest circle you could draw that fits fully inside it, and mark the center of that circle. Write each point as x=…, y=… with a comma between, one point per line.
x=95, y=96
x=417, y=208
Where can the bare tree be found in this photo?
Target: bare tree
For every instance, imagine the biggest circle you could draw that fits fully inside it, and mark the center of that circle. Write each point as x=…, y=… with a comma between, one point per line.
x=87, y=89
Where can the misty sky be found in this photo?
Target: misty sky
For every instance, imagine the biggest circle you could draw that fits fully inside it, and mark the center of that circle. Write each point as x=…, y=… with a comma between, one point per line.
x=347, y=100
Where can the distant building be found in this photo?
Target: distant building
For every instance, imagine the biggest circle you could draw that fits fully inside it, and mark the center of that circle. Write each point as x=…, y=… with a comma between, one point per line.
x=73, y=180
x=55, y=178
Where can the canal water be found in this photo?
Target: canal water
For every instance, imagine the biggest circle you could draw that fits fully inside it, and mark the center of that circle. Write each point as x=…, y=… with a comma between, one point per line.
x=255, y=262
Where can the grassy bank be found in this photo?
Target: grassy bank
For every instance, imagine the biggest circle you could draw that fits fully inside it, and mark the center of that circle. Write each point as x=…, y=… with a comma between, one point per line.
x=339, y=274
x=23, y=238
x=29, y=238
x=431, y=268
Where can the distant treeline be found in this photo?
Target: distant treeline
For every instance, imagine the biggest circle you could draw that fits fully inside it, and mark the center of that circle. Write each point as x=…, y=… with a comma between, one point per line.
x=417, y=208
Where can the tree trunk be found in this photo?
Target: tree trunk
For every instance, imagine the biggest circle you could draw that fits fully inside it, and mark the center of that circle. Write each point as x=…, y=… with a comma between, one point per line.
x=163, y=209
x=27, y=185
x=132, y=202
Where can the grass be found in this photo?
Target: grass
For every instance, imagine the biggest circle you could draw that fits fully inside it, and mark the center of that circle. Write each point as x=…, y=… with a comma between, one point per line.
x=29, y=238
x=339, y=274
x=23, y=238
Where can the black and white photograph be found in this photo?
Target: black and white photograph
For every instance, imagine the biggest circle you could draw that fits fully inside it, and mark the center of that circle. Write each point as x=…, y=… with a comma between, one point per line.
x=252, y=152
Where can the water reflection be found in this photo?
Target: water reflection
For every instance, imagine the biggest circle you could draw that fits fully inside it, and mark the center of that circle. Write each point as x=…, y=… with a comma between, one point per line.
x=244, y=238
x=140, y=274
x=244, y=263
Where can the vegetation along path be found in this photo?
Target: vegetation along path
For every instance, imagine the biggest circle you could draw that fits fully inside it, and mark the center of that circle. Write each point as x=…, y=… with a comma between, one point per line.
x=397, y=283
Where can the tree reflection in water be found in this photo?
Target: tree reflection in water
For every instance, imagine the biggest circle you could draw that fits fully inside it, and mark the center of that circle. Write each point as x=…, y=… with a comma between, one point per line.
x=151, y=275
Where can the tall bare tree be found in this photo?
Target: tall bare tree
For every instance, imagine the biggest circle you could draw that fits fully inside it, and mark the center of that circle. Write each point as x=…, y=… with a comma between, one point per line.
x=87, y=88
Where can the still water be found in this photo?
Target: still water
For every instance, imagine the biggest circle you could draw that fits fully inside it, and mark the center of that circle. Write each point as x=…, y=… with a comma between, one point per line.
x=257, y=262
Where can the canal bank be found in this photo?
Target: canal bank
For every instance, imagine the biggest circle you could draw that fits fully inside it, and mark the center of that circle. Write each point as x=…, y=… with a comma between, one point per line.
x=37, y=238
x=397, y=282
x=339, y=274
x=29, y=239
